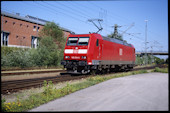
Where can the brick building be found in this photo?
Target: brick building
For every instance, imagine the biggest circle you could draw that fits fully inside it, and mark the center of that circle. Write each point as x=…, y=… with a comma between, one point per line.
x=18, y=31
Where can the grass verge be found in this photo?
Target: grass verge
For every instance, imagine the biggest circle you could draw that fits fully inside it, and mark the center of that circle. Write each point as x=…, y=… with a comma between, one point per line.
x=50, y=92
x=162, y=70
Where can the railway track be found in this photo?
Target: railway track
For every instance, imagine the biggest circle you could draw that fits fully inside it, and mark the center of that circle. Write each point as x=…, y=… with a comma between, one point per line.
x=4, y=73
x=8, y=87
x=150, y=67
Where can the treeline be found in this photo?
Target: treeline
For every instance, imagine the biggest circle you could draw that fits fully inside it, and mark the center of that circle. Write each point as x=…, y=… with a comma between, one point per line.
x=140, y=60
x=49, y=52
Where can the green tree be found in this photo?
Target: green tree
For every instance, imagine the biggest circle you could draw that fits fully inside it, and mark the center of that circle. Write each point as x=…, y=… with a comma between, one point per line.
x=52, y=44
x=150, y=58
x=158, y=60
x=53, y=30
x=139, y=60
x=48, y=53
x=167, y=61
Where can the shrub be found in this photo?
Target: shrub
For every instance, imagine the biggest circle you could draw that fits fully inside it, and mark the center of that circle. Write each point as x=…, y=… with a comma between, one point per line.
x=16, y=58
x=47, y=54
x=48, y=88
x=6, y=50
x=162, y=70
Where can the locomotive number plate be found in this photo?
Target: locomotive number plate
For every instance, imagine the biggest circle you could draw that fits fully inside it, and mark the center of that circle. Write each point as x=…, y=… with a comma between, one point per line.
x=75, y=57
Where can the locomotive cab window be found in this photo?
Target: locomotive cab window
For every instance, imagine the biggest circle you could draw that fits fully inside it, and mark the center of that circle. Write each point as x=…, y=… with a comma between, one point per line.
x=72, y=41
x=83, y=41
x=78, y=41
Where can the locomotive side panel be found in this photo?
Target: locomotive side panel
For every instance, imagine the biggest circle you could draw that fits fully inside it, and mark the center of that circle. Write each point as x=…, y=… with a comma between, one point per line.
x=113, y=53
x=108, y=51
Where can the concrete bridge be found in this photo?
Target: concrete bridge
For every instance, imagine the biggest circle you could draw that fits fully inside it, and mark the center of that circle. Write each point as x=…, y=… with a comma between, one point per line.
x=152, y=52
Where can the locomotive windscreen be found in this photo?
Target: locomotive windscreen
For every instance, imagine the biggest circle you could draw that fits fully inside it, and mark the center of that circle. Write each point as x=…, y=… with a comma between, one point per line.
x=78, y=41
x=83, y=41
x=72, y=41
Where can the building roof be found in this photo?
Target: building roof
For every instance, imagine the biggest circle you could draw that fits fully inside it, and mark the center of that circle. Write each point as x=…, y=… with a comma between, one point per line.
x=31, y=19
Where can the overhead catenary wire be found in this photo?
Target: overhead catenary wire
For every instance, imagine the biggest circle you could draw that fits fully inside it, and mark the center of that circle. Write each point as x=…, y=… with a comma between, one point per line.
x=63, y=13
x=62, y=9
x=124, y=19
x=65, y=9
x=52, y=12
x=84, y=15
x=90, y=12
x=72, y=16
x=66, y=14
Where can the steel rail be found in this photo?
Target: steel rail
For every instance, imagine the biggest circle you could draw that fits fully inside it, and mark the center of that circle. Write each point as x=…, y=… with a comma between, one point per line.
x=8, y=87
x=29, y=72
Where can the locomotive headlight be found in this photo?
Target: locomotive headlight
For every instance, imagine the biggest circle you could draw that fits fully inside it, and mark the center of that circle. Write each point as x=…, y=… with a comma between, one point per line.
x=83, y=57
x=67, y=57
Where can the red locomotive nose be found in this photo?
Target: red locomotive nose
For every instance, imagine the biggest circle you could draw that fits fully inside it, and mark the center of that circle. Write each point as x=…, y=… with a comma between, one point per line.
x=75, y=54
x=76, y=48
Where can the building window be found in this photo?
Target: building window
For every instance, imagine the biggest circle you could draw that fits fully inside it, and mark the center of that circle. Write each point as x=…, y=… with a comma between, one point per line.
x=34, y=28
x=6, y=21
x=27, y=25
x=13, y=23
x=34, y=42
x=4, y=38
x=20, y=24
x=38, y=28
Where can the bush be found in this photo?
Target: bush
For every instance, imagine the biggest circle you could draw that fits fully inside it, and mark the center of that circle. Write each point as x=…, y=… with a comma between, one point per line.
x=16, y=58
x=48, y=88
x=162, y=70
x=47, y=54
x=6, y=50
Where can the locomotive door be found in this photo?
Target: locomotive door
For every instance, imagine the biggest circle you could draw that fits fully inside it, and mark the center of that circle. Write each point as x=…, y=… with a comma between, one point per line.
x=99, y=48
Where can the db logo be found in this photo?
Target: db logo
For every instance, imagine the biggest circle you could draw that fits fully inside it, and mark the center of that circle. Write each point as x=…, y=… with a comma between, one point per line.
x=75, y=51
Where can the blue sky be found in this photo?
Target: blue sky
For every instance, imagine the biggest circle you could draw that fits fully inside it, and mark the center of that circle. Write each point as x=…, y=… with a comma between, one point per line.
x=73, y=15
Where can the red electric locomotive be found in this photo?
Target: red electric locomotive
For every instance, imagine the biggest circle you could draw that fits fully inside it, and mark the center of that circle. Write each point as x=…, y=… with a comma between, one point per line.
x=86, y=52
